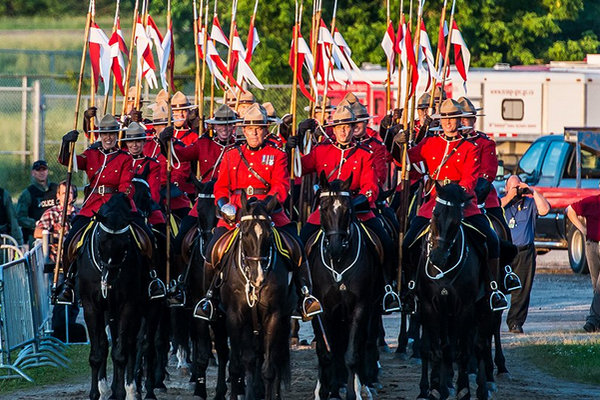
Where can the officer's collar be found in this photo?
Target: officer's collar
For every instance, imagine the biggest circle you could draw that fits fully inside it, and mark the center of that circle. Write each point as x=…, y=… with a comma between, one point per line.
x=344, y=146
x=110, y=151
x=138, y=157
x=256, y=148
x=449, y=138
x=222, y=143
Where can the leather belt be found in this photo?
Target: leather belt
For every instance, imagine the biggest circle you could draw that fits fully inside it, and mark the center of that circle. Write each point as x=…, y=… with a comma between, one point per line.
x=251, y=191
x=444, y=182
x=102, y=190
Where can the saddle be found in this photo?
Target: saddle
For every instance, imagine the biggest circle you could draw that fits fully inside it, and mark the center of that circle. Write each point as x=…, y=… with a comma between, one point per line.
x=288, y=247
x=188, y=243
x=476, y=240
x=374, y=241
x=75, y=243
x=221, y=246
x=142, y=240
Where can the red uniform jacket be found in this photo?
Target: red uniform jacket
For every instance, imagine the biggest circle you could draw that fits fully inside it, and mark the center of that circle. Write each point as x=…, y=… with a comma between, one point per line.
x=268, y=162
x=381, y=157
x=208, y=153
x=187, y=136
x=148, y=169
x=110, y=171
x=354, y=160
x=489, y=165
x=462, y=167
x=180, y=174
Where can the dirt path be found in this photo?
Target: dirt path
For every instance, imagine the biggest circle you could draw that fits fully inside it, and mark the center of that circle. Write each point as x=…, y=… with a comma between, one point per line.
x=558, y=308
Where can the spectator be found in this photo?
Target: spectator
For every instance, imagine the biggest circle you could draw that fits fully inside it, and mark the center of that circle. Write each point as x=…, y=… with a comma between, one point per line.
x=585, y=215
x=35, y=199
x=51, y=220
x=522, y=204
x=9, y=225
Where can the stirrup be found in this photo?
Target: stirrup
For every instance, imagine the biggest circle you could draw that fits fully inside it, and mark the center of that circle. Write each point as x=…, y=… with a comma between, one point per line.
x=311, y=301
x=174, y=291
x=501, y=303
x=62, y=298
x=390, y=297
x=204, y=310
x=511, y=280
x=157, y=287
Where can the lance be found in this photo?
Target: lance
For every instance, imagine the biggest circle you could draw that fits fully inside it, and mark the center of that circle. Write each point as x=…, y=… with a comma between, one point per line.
x=399, y=92
x=388, y=86
x=314, y=37
x=447, y=55
x=113, y=109
x=437, y=53
x=204, y=67
x=129, y=62
x=417, y=47
x=138, y=81
x=297, y=25
x=197, y=52
x=212, y=79
x=252, y=21
x=229, y=51
x=92, y=80
x=169, y=166
x=329, y=63
x=65, y=200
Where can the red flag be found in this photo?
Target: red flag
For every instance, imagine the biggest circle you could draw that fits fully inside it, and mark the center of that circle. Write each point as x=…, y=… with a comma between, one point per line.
x=216, y=33
x=234, y=54
x=299, y=64
x=389, y=44
x=410, y=57
x=94, y=48
x=442, y=33
x=117, y=45
x=462, y=55
x=252, y=41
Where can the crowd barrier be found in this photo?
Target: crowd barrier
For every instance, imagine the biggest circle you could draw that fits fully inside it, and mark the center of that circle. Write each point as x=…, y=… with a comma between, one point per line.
x=25, y=317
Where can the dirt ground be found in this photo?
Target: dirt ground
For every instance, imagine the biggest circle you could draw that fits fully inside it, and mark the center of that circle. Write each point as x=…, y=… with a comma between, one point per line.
x=559, y=303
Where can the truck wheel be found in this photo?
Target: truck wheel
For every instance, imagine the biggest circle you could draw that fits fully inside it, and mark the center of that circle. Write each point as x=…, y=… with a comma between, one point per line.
x=576, y=248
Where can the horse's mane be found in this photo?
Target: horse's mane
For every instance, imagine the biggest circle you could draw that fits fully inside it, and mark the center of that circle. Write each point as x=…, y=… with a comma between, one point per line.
x=118, y=205
x=453, y=192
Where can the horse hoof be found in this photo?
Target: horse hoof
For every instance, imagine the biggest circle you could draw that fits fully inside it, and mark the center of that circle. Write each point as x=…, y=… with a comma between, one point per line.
x=161, y=390
x=401, y=356
x=294, y=341
x=503, y=376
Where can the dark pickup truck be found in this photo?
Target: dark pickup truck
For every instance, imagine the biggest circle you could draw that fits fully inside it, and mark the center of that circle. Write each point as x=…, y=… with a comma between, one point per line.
x=564, y=169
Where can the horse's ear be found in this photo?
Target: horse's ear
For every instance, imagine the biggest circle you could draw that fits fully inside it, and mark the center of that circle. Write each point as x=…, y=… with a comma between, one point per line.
x=244, y=199
x=346, y=184
x=323, y=183
x=271, y=203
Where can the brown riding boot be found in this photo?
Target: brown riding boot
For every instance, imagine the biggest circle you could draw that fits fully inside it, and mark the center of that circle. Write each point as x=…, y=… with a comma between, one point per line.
x=309, y=305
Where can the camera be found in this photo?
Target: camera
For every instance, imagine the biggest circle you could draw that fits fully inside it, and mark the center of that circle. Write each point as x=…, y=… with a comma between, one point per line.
x=523, y=191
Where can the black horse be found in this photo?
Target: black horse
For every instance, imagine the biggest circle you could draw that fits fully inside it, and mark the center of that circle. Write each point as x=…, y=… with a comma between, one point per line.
x=448, y=287
x=153, y=337
x=113, y=281
x=197, y=280
x=259, y=297
x=346, y=279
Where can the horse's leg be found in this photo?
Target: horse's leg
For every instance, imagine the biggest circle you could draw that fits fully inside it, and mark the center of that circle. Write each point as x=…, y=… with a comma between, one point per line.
x=435, y=356
x=94, y=319
x=222, y=349
x=356, y=341
x=499, y=359
x=425, y=351
x=465, y=347
x=249, y=362
x=162, y=347
x=201, y=349
x=180, y=325
x=323, y=385
x=131, y=321
x=370, y=355
x=414, y=331
x=481, y=352
x=402, y=336
x=236, y=368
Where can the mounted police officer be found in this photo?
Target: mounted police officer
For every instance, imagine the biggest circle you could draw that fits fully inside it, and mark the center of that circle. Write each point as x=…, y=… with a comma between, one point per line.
x=342, y=159
x=185, y=119
x=450, y=158
x=259, y=169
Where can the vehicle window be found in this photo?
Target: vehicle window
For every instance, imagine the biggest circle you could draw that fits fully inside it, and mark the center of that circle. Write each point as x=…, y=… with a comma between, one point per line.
x=590, y=166
x=531, y=158
x=513, y=109
x=553, y=161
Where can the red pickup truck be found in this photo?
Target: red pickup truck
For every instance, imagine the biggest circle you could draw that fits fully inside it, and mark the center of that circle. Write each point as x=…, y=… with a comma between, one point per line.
x=564, y=169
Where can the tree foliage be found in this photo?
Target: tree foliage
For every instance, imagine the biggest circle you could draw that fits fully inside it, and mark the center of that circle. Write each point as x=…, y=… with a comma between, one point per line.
x=510, y=31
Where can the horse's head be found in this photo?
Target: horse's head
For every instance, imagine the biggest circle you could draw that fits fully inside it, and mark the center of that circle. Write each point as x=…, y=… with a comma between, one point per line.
x=142, y=196
x=112, y=234
x=256, y=235
x=446, y=220
x=207, y=217
x=336, y=214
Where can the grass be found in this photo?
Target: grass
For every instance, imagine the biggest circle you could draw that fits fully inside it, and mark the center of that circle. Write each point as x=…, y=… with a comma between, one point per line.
x=576, y=361
x=46, y=22
x=78, y=368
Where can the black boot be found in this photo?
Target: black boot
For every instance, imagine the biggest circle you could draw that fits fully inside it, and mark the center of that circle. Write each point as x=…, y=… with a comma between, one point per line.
x=176, y=293
x=156, y=287
x=511, y=280
x=308, y=305
x=66, y=296
x=498, y=301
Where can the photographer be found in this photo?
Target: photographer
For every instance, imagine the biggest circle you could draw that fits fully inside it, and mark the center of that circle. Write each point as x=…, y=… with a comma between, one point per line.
x=522, y=204
x=588, y=209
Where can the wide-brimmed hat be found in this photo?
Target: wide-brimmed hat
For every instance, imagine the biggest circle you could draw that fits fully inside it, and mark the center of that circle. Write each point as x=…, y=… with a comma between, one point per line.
x=161, y=96
x=271, y=113
x=160, y=115
x=223, y=116
x=256, y=115
x=424, y=101
x=133, y=132
x=360, y=112
x=108, y=124
x=179, y=101
x=469, y=108
x=342, y=116
x=247, y=98
x=450, y=109
x=319, y=103
x=349, y=98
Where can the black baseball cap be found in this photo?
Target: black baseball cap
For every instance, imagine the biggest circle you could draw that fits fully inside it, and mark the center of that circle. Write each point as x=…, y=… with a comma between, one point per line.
x=39, y=164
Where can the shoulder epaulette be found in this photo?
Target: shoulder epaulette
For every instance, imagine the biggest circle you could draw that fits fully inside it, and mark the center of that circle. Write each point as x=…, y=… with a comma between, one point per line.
x=95, y=145
x=363, y=147
x=273, y=145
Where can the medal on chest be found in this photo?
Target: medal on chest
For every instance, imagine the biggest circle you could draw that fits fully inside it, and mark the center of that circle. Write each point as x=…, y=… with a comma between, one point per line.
x=268, y=159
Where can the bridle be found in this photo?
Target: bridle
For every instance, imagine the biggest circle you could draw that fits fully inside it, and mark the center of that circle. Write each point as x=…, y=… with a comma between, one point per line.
x=464, y=250
x=98, y=263
x=251, y=289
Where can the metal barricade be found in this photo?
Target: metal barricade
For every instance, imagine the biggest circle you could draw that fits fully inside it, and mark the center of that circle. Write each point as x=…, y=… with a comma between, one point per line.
x=9, y=249
x=25, y=314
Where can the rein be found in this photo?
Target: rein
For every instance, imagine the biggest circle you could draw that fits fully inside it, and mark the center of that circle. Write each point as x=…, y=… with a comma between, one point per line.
x=100, y=266
x=337, y=276
x=443, y=273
